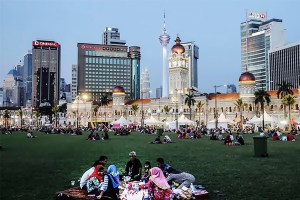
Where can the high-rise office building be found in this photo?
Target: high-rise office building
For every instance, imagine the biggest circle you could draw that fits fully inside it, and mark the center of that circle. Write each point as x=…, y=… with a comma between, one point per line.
x=74, y=81
x=111, y=36
x=284, y=65
x=145, y=84
x=13, y=89
x=45, y=72
x=1, y=97
x=158, y=92
x=27, y=75
x=102, y=67
x=192, y=52
x=135, y=60
x=258, y=36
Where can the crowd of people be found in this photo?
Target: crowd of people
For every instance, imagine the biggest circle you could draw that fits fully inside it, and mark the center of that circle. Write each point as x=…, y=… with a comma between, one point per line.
x=160, y=181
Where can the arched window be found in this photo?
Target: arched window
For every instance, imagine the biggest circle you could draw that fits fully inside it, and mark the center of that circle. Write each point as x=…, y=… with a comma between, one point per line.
x=230, y=110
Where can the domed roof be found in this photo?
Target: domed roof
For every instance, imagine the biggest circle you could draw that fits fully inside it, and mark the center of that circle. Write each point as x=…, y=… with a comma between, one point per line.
x=118, y=89
x=178, y=48
x=246, y=76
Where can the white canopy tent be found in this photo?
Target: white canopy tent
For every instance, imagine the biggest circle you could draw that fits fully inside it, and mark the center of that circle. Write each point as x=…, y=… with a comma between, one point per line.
x=182, y=120
x=222, y=122
x=267, y=120
x=122, y=121
x=152, y=121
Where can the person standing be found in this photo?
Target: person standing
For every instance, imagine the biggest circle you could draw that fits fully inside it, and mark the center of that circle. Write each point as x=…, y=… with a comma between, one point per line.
x=133, y=167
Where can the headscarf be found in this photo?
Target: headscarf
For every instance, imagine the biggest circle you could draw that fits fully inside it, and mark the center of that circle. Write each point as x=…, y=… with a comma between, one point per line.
x=95, y=173
x=157, y=177
x=114, y=175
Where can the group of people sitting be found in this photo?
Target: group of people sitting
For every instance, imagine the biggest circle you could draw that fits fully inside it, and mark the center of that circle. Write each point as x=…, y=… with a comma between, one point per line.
x=229, y=139
x=278, y=136
x=188, y=133
x=166, y=140
x=158, y=180
x=104, y=185
x=94, y=135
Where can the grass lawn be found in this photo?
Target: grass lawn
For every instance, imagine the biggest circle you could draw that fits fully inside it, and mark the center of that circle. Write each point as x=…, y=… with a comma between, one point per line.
x=35, y=169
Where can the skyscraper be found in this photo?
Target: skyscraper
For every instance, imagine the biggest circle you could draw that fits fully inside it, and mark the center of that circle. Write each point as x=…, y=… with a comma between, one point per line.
x=258, y=36
x=164, y=39
x=27, y=75
x=145, y=84
x=45, y=72
x=135, y=58
x=102, y=67
x=13, y=89
x=284, y=65
x=192, y=52
x=74, y=81
x=111, y=36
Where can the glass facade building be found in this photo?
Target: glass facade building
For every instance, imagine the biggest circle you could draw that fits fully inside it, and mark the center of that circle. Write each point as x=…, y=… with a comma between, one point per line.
x=102, y=67
x=192, y=51
x=257, y=38
x=45, y=72
x=284, y=65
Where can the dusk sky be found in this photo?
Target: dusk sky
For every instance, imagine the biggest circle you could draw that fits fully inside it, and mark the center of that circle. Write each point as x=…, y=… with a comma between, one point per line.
x=214, y=25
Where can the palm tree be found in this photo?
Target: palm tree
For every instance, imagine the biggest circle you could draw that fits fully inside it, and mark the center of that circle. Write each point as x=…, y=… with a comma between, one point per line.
x=261, y=96
x=240, y=104
x=104, y=102
x=190, y=101
x=6, y=117
x=96, y=110
x=20, y=113
x=55, y=110
x=284, y=89
x=167, y=109
x=199, y=105
x=289, y=100
x=134, y=108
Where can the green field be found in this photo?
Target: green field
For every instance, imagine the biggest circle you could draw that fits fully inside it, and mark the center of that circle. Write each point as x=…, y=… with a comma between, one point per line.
x=35, y=169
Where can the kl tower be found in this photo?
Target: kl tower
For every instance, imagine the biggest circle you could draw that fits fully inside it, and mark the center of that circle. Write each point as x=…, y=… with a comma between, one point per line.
x=164, y=39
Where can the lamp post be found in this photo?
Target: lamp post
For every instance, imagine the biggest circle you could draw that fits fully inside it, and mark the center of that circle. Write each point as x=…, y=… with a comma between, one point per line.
x=216, y=111
x=175, y=100
x=142, y=119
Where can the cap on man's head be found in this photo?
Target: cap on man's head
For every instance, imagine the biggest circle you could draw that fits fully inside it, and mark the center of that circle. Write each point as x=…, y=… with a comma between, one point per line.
x=132, y=153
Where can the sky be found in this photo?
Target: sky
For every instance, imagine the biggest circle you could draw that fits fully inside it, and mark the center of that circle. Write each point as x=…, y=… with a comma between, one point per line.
x=214, y=26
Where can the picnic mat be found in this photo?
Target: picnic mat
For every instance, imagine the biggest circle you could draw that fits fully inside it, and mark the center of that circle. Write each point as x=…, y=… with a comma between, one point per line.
x=73, y=193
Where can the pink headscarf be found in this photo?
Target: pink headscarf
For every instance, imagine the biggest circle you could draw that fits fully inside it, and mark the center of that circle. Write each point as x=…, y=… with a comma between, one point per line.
x=157, y=177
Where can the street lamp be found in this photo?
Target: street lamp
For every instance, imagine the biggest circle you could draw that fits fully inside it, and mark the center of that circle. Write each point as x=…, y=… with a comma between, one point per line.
x=175, y=100
x=216, y=111
x=142, y=119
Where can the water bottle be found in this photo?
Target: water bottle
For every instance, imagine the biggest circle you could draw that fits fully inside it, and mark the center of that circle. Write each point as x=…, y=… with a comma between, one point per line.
x=146, y=195
x=192, y=187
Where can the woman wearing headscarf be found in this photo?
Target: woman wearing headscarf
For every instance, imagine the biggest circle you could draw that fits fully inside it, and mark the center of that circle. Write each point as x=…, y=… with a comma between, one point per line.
x=110, y=186
x=94, y=180
x=158, y=187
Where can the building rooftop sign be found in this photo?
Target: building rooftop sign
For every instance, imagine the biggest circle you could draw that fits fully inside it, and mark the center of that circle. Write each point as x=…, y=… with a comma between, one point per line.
x=45, y=43
x=256, y=15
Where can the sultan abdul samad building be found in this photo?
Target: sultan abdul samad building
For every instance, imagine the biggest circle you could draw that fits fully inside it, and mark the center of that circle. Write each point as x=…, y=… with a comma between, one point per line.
x=82, y=112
